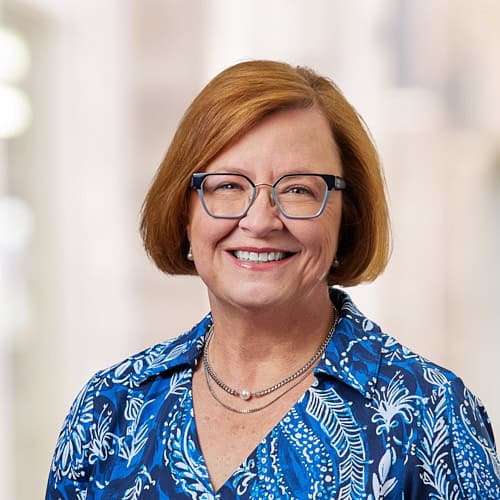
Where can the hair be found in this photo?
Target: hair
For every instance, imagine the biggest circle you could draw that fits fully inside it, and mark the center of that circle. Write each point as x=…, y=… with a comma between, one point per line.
x=236, y=100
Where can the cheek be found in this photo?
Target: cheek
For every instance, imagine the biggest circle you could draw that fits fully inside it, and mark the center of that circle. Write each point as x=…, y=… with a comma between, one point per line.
x=327, y=235
x=205, y=232
x=328, y=252
x=333, y=236
x=331, y=228
x=320, y=243
x=328, y=249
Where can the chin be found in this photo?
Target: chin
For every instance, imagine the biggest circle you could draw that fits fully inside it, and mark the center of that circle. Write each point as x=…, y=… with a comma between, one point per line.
x=253, y=297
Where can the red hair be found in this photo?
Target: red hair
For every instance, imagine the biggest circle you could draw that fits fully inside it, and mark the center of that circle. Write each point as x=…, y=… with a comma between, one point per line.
x=229, y=106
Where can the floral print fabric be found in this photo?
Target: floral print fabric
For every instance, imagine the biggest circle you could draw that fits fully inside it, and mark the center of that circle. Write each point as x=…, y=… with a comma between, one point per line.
x=379, y=422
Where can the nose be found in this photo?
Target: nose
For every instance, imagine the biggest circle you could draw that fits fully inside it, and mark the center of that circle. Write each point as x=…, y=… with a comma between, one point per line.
x=263, y=215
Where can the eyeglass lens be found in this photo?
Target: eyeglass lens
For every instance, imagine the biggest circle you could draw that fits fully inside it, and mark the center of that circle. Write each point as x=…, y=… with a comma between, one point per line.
x=229, y=195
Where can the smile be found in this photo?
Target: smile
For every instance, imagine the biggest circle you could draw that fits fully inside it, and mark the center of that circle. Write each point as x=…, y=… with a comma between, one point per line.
x=259, y=256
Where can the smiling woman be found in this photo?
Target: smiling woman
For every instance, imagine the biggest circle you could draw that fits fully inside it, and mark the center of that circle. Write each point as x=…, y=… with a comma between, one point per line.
x=272, y=192
x=231, y=105
x=295, y=141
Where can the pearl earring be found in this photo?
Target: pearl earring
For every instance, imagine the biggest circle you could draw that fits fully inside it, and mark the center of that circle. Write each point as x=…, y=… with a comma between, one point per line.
x=335, y=263
x=189, y=255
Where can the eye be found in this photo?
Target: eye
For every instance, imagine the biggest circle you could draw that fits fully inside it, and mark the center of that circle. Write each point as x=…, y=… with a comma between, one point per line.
x=296, y=190
x=302, y=190
x=228, y=186
x=224, y=184
x=300, y=187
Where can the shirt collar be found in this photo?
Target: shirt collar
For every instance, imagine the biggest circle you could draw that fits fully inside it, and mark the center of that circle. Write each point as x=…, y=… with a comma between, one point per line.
x=352, y=355
x=170, y=355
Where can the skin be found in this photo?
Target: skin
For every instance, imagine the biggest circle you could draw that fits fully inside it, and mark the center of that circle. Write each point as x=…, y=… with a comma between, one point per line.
x=269, y=318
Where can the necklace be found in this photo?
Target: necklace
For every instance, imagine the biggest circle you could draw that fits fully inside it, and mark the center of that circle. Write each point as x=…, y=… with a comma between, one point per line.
x=246, y=411
x=245, y=394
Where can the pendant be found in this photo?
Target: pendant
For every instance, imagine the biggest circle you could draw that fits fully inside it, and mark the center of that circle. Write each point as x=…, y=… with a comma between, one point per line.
x=245, y=394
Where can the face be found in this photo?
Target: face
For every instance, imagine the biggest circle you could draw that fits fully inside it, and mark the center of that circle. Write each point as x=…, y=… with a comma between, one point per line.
x=291, y=141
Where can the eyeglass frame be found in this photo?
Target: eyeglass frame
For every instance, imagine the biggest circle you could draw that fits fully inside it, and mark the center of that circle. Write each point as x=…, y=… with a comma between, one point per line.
x=333, y=182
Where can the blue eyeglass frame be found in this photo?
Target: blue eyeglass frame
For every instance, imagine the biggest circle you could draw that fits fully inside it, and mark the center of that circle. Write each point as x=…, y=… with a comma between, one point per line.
x=333, y=182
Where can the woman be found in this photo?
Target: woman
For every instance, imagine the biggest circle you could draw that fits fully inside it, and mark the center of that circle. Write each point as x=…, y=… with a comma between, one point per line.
x=272, y=192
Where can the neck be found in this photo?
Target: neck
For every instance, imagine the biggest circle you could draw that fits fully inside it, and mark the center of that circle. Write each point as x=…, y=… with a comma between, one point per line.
x=255, y=347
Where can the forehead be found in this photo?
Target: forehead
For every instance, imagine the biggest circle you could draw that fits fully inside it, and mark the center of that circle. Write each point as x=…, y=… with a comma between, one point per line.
x=297, y=140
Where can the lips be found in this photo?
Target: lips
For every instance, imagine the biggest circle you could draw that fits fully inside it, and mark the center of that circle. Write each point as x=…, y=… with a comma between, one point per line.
x=257, y=257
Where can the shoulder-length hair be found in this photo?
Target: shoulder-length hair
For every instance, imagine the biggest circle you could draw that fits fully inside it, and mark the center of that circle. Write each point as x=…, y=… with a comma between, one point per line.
x=231, y=104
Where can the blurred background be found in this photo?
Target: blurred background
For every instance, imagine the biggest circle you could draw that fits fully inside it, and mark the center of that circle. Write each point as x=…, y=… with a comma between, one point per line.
x=90, y=95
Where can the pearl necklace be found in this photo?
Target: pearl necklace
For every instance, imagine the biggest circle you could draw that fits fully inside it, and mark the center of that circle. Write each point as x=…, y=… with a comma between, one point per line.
x=245, y=394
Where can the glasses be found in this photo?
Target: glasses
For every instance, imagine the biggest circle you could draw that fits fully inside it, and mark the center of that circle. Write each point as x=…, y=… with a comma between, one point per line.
x=297, y=196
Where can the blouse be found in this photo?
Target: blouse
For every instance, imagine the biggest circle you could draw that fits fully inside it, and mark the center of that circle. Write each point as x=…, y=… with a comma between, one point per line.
x=378, y=422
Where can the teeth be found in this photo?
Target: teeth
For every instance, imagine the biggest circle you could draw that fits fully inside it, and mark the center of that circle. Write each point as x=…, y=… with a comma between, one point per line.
x=259, y=257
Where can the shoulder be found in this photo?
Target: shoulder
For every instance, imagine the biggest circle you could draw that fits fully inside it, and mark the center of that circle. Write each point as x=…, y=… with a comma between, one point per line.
x=424, y=375
x=111, y=401
x=452, y=439
x=438, y=389
x=167, y=356
x=370, y=360
x=453, y=434
x=362, y=341
x=418, y=409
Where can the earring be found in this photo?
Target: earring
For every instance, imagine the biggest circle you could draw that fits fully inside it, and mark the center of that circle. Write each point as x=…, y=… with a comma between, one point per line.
x=335, y=263
x=189, y=255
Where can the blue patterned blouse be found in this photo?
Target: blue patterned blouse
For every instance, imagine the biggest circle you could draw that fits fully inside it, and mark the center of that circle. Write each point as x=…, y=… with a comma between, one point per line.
x=379, y=422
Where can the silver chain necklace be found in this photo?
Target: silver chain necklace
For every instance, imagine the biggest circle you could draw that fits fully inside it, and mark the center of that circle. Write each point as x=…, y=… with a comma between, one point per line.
x=245, y=394
x=246, y=411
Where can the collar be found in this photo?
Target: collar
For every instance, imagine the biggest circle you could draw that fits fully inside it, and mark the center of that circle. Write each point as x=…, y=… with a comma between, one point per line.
x=352, y=355
x=354, y=352
x=182, y=351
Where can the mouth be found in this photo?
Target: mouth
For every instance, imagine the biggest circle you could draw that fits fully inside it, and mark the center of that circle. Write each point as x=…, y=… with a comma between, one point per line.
x=260, y=256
